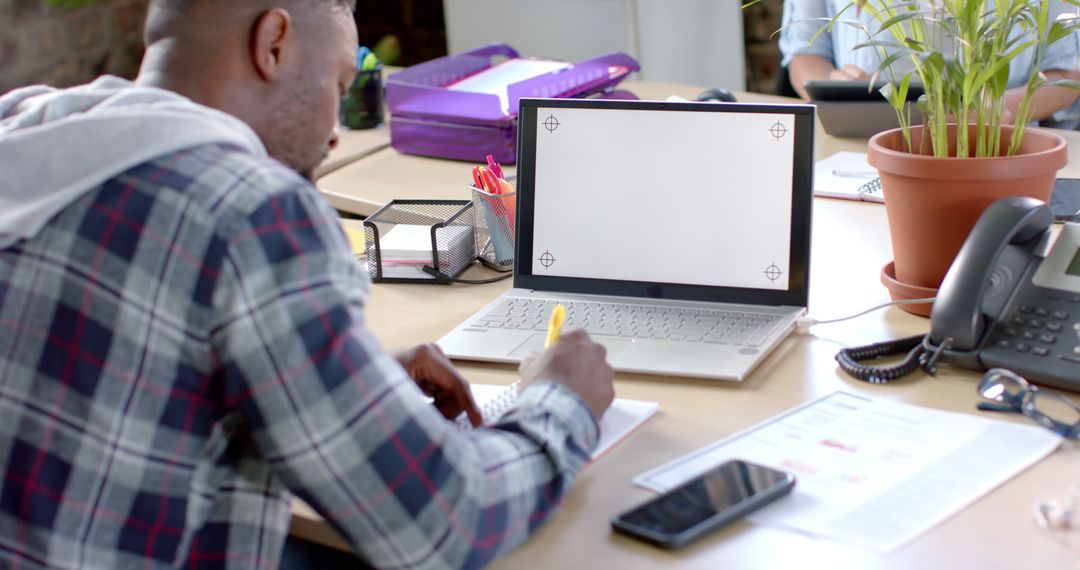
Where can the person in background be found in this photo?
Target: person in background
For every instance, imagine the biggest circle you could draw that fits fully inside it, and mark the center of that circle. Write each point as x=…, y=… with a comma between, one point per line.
x=182, y=337
x=832, y=56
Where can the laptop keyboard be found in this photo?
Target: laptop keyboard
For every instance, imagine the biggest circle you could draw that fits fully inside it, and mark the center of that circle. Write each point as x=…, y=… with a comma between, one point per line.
x=634, y=321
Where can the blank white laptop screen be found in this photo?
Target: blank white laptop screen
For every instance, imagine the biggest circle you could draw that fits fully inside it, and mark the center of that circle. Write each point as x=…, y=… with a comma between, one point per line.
x=700, y=198
x=677, y=234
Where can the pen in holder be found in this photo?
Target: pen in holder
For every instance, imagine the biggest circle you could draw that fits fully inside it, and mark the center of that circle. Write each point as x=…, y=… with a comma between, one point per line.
x=493, y=218
x=362, y=105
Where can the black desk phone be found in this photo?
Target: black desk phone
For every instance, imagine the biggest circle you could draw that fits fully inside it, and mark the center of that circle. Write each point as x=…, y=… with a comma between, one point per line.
x=1006, y=304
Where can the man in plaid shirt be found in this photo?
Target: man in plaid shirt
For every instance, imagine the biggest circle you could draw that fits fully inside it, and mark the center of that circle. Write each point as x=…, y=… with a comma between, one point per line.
x=181, y=328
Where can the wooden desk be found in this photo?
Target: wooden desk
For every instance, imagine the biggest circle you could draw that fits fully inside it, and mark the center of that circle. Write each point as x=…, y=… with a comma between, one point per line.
x=354, y=145
x=850, y=244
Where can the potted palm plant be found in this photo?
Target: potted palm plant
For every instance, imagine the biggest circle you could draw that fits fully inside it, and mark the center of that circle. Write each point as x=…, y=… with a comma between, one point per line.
x=938, y=176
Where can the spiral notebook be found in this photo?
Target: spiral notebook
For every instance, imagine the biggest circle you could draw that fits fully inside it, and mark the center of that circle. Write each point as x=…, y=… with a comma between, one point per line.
x=621, y=419
x=848, y=176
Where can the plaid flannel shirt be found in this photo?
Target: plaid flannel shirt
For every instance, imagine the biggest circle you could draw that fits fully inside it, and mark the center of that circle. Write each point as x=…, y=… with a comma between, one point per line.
x=184, y=345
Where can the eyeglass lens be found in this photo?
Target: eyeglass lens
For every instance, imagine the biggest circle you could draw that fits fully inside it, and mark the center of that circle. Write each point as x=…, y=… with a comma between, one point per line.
x=1056, y=408
x=1003, y=386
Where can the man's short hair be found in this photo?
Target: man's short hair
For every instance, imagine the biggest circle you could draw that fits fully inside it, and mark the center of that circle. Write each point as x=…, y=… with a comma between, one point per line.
x=163, y=15
x=182, y=5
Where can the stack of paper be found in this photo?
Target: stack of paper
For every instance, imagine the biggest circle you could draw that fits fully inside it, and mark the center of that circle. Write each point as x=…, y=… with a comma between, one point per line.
x=496, y=79
x=406, y=248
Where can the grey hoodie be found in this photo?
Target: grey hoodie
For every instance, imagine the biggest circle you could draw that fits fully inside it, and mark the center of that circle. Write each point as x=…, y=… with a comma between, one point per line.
x=55, y=145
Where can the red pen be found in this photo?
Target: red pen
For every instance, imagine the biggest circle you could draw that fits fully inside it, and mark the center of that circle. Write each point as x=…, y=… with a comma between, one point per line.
x=477, y=176
x=491, y=182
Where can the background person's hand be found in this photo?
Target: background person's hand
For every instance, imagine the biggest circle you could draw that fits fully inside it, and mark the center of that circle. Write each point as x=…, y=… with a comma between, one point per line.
x=436, y=376
x=849, y=73
x=578, y=363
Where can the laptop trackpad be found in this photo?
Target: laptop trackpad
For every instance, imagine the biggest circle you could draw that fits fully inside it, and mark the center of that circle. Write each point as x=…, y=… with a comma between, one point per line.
x=535, y=343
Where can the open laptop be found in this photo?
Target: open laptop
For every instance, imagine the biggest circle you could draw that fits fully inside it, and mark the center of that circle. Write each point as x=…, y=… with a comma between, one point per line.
x=677, y=234
x=857, y=108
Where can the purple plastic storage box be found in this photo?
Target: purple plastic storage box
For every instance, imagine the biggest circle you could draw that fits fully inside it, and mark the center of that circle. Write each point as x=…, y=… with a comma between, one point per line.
x=430, y=120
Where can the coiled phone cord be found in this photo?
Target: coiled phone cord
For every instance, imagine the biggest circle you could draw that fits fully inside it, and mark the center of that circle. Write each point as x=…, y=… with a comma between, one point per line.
x=849, y=359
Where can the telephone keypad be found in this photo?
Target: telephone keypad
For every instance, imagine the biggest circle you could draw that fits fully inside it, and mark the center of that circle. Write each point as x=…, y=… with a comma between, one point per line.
x=1032, y=328
x=1040, y=335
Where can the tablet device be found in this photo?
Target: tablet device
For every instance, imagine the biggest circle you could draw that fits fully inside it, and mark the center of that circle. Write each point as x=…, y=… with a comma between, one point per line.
x=844, y=90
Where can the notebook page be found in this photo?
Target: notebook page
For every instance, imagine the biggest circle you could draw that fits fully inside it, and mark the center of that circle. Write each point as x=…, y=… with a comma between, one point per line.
x=622, y=418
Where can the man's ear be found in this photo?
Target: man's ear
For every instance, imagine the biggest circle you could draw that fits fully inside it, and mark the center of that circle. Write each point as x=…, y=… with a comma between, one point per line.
x=272, y=40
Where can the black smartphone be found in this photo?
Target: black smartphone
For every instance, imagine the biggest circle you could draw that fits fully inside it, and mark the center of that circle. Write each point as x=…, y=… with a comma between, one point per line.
x=1065, y=201
x=707, y=502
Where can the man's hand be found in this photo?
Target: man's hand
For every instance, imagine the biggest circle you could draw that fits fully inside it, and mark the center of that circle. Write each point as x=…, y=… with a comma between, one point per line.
x=436, y=376
x=578, y=363
x=849, y=73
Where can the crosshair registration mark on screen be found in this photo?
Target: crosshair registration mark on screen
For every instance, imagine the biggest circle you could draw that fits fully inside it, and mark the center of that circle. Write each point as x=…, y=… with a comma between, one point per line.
x=551, y=123
x=547, y=260
x=773, y=272
x=778, y=130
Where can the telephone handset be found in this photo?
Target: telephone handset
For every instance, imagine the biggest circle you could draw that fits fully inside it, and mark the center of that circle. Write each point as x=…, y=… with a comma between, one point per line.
x=1002, y=304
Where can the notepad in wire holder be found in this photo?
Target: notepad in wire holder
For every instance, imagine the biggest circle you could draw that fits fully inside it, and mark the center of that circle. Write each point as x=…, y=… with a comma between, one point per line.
x=420, y=241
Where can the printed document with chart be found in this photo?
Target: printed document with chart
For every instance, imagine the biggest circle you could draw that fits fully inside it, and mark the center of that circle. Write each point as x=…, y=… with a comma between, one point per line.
x=868, y=472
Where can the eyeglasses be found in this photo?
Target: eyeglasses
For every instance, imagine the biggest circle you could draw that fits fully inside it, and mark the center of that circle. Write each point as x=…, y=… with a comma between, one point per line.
x=1012, y=393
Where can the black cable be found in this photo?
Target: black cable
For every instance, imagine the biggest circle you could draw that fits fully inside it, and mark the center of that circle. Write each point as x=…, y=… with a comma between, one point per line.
x=482, y=281
x=849, y=359
x=443, y=278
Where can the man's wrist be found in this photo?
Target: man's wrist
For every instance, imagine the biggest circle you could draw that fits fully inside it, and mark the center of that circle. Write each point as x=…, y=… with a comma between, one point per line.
x=564, y=403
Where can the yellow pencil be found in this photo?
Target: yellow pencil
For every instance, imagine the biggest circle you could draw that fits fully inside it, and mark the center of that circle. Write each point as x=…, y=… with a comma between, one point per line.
x=558, y=315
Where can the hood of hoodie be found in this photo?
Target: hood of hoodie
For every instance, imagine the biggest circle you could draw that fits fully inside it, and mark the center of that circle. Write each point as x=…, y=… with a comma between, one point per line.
x=56, y=145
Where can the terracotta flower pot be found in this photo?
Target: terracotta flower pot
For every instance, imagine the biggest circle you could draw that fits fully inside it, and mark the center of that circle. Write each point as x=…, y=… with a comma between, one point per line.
x=932, y=203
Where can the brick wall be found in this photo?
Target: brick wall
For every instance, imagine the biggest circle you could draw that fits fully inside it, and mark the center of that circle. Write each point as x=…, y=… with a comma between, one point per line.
x=64, y=47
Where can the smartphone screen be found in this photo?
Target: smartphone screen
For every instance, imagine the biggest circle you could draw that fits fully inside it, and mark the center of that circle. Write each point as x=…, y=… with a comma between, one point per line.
x=705, y=503
x=1065, y=201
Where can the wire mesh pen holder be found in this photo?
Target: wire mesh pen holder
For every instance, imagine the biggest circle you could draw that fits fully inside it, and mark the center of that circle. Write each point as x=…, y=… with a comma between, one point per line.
x=420, y=241
x=493, y=218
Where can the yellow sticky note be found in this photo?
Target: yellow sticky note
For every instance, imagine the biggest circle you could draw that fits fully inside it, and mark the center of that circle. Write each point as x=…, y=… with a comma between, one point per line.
x=356, y=240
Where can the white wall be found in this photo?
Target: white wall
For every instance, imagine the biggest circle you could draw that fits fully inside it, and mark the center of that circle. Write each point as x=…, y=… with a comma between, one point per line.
x=695, y=42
